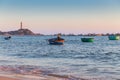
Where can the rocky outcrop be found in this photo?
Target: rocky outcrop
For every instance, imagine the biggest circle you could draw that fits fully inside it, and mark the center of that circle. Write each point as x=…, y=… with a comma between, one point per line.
x=18, y=32
x=21, y=32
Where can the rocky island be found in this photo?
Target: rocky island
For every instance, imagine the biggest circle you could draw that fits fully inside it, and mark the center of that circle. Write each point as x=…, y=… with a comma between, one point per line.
x=20, y=31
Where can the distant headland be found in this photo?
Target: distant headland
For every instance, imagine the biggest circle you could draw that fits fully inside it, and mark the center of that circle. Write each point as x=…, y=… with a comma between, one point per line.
x=20, y=31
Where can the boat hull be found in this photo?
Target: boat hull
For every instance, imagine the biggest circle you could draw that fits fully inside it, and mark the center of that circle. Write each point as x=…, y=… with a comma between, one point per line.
x=87, y=39
x=56, y=43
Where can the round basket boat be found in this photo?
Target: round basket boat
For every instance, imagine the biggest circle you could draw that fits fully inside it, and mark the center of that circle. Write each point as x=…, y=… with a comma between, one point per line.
x=114, y=37
x=87, y=39
x=7, y=38
x=55, y=41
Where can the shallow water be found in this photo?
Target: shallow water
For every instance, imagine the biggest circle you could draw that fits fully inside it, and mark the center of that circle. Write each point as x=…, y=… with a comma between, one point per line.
x=100, y=58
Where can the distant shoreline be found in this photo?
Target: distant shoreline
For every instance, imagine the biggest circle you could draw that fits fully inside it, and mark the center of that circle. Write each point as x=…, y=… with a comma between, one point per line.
x=21, y=32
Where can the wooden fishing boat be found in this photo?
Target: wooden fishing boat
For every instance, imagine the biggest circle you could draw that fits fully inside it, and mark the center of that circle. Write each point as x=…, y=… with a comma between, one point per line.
x=114, y=37
x=87, y=39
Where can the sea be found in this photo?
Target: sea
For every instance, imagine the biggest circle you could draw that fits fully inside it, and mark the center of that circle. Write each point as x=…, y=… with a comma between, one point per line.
x=100, y=58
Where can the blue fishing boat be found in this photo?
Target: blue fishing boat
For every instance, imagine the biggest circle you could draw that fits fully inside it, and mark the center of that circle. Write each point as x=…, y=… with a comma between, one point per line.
x=56, y=41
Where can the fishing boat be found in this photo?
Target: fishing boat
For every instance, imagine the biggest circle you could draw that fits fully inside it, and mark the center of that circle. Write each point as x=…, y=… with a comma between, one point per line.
x=7, y=37
x=56, y=41
x=87, y=39
x=114, y=37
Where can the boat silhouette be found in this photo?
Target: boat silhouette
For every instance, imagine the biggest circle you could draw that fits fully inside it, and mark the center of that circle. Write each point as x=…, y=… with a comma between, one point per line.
x=7, y=37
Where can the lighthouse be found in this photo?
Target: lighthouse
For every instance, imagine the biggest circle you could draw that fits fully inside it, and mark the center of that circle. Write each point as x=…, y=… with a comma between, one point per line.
x=21, y=25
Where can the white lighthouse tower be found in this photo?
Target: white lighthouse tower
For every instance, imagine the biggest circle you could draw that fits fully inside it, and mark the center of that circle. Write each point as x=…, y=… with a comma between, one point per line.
x=21, y=25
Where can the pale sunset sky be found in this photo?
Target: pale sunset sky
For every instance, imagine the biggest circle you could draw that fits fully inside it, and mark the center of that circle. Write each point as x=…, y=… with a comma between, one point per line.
x=61, y=16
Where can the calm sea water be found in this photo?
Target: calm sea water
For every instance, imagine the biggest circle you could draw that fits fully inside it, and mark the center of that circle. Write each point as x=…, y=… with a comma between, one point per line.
x=100, y=58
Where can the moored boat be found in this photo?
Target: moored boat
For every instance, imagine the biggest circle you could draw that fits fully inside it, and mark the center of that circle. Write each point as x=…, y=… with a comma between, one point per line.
x=56, y=41
x=87, y=39
x=7, y=37
x=114, y=37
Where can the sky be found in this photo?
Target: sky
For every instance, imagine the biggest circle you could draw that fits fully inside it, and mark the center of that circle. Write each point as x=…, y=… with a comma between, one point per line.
x=61, y=16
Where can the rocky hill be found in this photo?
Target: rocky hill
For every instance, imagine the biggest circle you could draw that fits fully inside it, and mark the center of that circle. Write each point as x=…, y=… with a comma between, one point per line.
x=18, y=32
